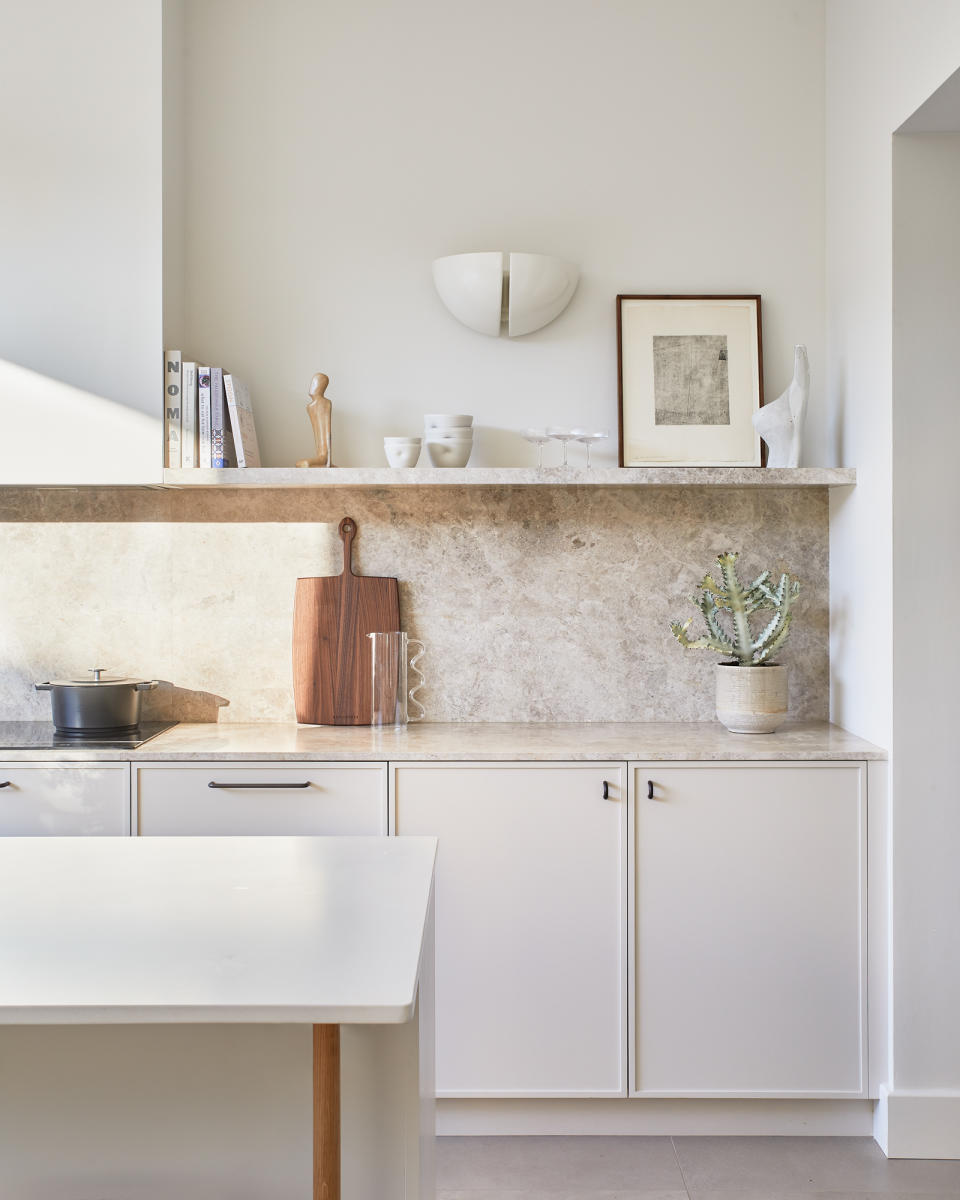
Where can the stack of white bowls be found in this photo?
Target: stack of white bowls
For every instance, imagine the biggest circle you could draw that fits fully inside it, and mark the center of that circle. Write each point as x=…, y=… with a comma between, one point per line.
x=449, y=438
x=402, y=451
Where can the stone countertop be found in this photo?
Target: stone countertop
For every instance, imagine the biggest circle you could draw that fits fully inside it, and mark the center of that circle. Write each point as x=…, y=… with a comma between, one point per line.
x=677, y=741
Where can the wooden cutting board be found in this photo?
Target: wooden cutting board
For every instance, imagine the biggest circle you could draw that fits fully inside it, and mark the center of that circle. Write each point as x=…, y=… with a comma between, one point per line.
x=332, y=616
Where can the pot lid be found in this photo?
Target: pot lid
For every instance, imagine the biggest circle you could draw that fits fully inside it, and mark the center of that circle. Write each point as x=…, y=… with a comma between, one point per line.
x=98, y=680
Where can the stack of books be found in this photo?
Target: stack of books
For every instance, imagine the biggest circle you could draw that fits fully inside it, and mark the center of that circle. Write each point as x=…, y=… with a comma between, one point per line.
x=207, y=417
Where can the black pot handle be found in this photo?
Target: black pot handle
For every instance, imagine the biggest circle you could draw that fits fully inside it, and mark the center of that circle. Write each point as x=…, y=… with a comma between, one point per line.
x=43, y=687
x=147, y=686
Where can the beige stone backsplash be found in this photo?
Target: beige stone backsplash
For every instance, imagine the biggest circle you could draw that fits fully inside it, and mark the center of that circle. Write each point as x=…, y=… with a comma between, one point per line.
x=535, y=604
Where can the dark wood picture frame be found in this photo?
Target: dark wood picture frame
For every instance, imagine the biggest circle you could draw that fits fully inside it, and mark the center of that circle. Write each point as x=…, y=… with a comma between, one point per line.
x=620, y=398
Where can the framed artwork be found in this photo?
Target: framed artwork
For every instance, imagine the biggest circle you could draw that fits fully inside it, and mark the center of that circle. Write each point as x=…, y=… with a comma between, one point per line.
x=690, y=378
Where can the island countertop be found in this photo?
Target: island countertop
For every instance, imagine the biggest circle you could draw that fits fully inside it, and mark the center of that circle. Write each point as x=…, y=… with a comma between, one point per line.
x=212, y=929
x=600, y=741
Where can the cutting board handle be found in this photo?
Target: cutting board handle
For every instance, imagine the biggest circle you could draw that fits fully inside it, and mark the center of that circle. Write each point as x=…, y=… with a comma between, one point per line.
x=347, y=531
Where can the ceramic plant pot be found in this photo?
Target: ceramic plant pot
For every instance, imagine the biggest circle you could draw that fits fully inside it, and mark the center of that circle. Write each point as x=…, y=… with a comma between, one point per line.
x=751, y=699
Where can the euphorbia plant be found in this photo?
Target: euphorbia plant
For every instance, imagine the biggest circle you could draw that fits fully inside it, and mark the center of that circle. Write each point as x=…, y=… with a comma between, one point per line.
x=727, y=607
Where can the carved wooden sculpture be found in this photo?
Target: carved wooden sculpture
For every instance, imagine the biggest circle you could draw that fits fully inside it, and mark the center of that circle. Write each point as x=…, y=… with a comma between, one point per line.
x=319, y=410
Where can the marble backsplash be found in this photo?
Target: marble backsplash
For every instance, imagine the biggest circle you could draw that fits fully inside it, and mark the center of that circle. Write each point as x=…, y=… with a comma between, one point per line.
x=535, y=604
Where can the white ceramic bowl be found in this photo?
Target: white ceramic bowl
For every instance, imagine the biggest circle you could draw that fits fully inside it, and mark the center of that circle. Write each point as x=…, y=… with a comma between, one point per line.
x=449, y=453
x=405, y=455
x=449, y=435
x=402, y=441
x=447, y=421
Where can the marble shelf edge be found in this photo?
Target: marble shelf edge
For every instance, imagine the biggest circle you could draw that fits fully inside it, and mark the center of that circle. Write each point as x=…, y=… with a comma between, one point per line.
x=387, y=477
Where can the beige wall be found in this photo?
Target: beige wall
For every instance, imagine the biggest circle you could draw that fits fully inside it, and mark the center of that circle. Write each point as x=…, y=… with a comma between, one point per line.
x=534, y=603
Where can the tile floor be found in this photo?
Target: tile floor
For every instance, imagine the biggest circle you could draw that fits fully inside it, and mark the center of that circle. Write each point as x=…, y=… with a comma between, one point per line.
x=684, y=1168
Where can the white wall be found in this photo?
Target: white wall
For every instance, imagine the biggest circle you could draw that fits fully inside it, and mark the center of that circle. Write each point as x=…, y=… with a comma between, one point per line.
x=80, y=255
x=174, y=189
x=333, y=150
x=926, y=576
x=884, y=59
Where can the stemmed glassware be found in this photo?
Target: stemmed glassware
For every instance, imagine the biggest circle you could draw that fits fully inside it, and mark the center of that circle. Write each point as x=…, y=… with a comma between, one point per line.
x=539, y=438
x=588, y=436
x=553, y=433
x=562, y=436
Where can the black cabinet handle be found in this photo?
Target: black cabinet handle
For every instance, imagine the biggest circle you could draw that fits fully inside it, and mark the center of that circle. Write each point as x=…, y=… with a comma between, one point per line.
x=606, y=790
x=7, y=784
x=649, y=789
x=262, y=786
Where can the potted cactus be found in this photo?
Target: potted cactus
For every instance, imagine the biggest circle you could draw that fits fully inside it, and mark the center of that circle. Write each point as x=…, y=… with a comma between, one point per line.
x=751, y=690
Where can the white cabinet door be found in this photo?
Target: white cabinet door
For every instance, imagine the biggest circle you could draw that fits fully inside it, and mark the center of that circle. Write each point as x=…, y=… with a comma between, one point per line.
x=64, y=799
x=531, y=923
x=261, y=798
x=749, y=930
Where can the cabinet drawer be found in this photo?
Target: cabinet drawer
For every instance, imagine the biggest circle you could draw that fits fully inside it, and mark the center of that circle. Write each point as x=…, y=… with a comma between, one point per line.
x=260, y=798
x=63, y=799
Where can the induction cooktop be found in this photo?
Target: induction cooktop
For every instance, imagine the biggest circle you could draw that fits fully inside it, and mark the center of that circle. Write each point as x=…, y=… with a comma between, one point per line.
x=41, y=735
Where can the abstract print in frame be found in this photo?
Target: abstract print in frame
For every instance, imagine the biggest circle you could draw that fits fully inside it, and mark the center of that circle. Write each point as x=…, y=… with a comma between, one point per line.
x=690, y=378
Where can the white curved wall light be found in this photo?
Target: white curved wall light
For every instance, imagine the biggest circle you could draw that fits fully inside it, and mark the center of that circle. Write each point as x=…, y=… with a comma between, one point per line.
x=533, y=292
x=471, y=286
x=540, y=288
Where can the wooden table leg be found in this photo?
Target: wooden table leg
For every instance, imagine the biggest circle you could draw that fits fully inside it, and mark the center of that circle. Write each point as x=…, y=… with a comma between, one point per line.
x=326, y=1112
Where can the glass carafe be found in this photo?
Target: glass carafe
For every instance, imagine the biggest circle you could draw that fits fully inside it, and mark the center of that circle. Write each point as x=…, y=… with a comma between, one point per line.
x=389, y=663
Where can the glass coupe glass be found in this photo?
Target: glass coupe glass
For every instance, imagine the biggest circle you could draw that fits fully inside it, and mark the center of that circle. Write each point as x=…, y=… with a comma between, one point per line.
x=539, y=438
x=588, y=436
x=562, y=436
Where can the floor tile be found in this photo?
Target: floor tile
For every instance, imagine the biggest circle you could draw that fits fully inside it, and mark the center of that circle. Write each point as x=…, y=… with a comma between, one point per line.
x=782, y=1167
x=579, y=1194
x=776, y=1194
x=557, y=1167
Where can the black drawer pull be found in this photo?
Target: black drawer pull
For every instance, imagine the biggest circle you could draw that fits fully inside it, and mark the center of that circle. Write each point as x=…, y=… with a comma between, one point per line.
x=606, y=790
x=7, y=784
x=262, y=786
x=649, y=789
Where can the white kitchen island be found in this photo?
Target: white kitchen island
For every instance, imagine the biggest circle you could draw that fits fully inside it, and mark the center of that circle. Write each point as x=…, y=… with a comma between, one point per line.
x=163, y=958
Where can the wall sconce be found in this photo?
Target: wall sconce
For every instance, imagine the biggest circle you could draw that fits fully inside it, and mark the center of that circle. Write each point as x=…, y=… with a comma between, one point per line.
x=530, y=292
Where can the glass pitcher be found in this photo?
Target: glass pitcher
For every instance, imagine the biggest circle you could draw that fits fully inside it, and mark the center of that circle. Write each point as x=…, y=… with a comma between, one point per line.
x=389, y=663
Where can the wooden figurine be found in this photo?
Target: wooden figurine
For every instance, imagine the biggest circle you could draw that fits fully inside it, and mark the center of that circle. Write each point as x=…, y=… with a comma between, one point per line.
x=319, y=410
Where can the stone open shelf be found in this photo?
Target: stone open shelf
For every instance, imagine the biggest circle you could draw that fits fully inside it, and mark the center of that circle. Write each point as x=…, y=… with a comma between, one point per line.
x=380, y=477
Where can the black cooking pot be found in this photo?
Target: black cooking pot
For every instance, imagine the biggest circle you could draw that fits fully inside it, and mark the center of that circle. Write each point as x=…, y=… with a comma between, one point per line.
x=100, y=705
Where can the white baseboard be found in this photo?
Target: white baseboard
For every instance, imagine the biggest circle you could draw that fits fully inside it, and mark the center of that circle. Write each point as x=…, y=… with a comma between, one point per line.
x=880, y=1120
x=912, y=1124
x=849, y=1118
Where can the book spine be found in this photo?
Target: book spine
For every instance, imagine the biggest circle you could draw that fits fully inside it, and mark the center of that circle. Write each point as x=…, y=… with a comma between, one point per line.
x=244, y=429
x=217, y=417
x=188, y=440
x=229, y=447
x=203, y=417
x=171, y=408
x=230, y=391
